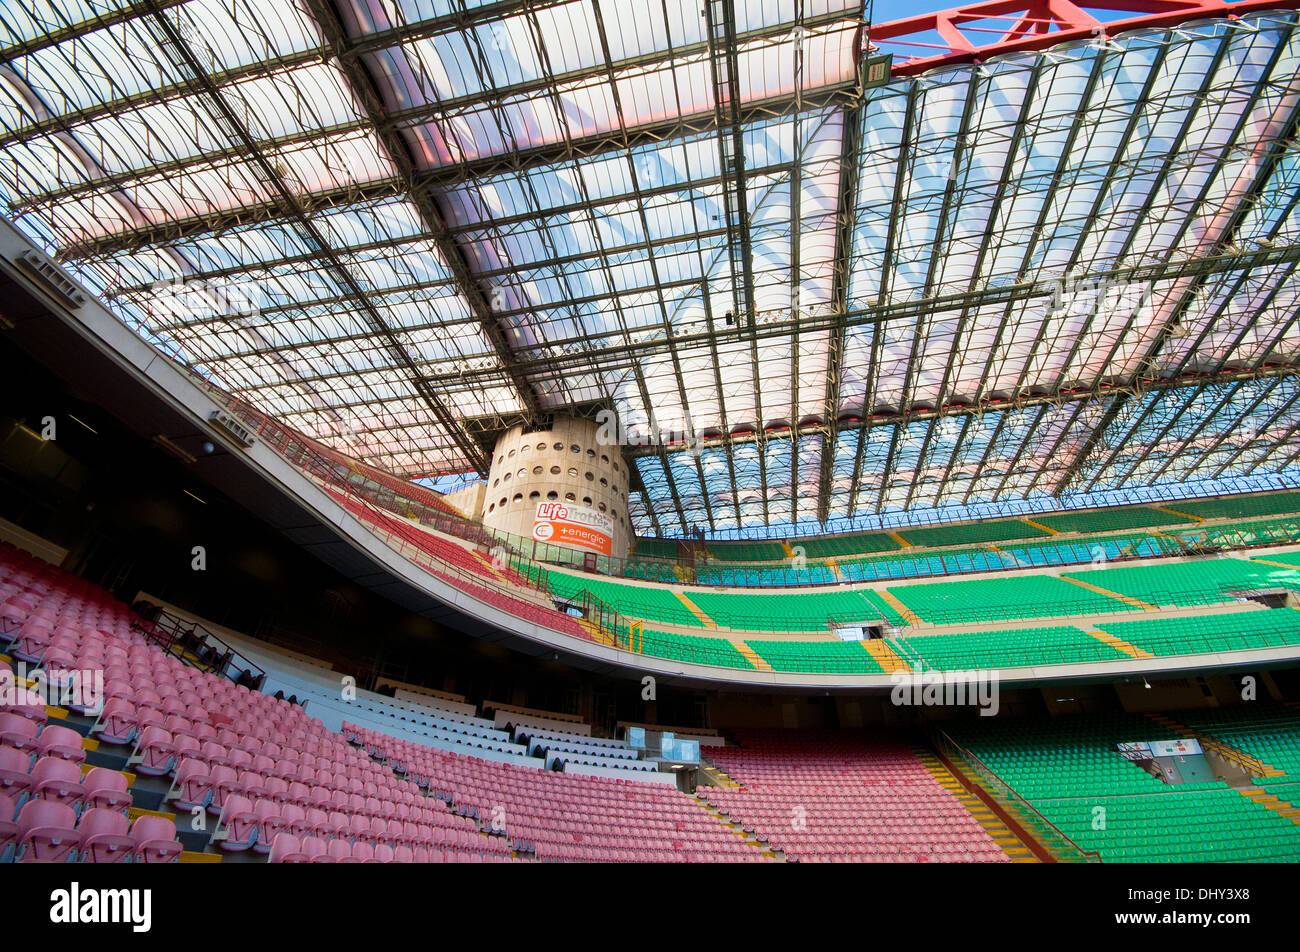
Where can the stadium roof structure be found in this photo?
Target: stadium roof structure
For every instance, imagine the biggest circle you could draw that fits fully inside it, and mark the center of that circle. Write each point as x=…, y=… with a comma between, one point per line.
x=822, y=270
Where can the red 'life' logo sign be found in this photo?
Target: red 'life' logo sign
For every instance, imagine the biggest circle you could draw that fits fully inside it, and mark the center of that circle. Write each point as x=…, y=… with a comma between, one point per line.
x=552, y=510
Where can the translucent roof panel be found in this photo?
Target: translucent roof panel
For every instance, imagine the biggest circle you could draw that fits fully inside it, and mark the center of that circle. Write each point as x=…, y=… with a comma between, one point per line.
x=816, y=297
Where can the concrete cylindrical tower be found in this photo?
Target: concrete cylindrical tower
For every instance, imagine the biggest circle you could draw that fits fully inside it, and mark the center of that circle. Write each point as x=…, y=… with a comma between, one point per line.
x=564, y=464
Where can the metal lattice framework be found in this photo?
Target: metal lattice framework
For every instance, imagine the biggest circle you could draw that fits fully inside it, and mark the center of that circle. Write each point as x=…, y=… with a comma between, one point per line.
x=1050, y=254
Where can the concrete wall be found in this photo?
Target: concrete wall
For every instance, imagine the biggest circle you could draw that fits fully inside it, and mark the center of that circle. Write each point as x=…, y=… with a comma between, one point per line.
x=32, y=543
x=527, y=468
x=468, y=501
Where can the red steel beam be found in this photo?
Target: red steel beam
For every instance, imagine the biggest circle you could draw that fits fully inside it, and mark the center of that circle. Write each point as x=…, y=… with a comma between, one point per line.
x=1035, y=25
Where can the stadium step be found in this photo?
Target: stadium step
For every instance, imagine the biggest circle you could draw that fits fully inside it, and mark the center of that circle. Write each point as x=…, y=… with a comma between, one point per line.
x=598, y=633
x=888, y=659
x=490, y=566
x=750, y=654
x=1175, y=512
x=1234, y=755
x=903, y=543
x=705, y=620
x=893, y=602
x=1269, y=801
x=1127, y=600
x=193, y=856
x=762, y=846
x=1119, y=644
x=1038, y=525
x=1281, y=565
x=719, y=776
x=1008, y=842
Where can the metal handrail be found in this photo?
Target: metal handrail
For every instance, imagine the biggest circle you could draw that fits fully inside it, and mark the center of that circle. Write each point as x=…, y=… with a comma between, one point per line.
x=194, y=642
x=386, y=499
x=999, y=787
x=428, y=507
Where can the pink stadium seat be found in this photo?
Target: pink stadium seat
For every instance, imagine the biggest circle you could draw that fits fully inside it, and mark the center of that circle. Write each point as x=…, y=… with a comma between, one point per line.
x=238, y=824
x=336, y=851
x=58, y=780
x=15, y=771
x=47, y=832
x=192, y=784
x=287, y=848
x=18, y=732
x=155, y=840
x=269, y=823
x=154, y=750
x=106, y=789
x=105, y=837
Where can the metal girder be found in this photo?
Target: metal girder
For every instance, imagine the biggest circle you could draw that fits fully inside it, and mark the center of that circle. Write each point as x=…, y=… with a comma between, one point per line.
x=430, y=215
x=1240, y=336
x=1047, y=23
x=845, y=223
x=1277, y=415
x=1241, y=416
x=574, y=149
x=1066, y=430
x=1184, y=130
x=1149, y=446
x=627, y=355
x=360, y=47
x=1146, y=366
x=460, y=19
x=498, y=225
x=1277, y=151
x=645, y=227
x=608, y=352
x=1090, y=396
x=720, y=21
x=292, y=209
x=1043, y=414
x=887, y=273
x=919, y=336
x=1004, y=182
x=71, y=31
x=796, y=264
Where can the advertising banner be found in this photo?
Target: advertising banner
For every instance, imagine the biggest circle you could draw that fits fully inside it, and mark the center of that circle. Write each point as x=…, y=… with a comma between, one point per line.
x=578, y=527
x=1175, y=748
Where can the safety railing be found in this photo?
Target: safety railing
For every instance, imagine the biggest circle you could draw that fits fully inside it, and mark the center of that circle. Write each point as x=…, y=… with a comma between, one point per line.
x=1042, y=829
x=416, y=502
x=399, y=512
x=197, y=645
x=391, y=513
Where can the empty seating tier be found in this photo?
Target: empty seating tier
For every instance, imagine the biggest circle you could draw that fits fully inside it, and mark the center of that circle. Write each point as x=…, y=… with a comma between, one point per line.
x=965, y=533
x=1000, y=648
x=1000, y=599
x=657, y=548
x=1070, y=770
x=829, y=547
x=1235, y=507
x=1109, y=520
x=1236, y=631
x=747, y=551
x=697, y=650
x=1197, y=582
x=1266, y=731
x=842, y=796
